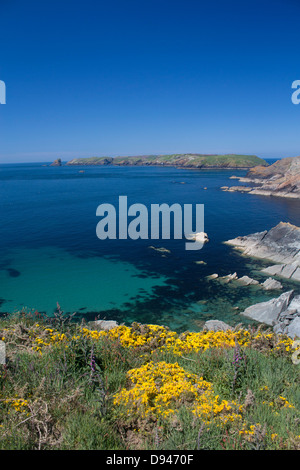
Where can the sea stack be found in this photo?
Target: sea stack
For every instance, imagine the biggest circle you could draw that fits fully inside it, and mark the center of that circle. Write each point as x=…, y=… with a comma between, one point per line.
x=56, y=162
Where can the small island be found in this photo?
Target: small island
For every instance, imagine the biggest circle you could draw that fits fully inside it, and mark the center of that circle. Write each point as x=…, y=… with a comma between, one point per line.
x=187, y=160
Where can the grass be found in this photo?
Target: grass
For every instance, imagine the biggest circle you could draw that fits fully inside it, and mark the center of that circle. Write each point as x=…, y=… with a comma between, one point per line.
x=72, y=386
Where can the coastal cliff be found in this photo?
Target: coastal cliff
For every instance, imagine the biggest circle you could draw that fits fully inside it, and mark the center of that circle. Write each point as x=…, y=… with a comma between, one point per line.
x=280, y=179
x=178, y=160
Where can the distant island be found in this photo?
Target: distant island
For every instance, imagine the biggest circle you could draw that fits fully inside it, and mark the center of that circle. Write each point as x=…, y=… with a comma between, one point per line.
x=280, y=179
x=187, y=160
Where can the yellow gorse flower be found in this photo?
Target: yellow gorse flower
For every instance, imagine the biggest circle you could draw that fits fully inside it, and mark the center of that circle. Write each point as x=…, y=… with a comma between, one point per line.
x=158, y=389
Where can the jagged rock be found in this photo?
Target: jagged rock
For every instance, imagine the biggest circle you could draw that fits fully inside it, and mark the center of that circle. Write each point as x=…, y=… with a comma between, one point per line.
x=271, y=283
x=288, y=270
x=281, y=245
x=280, y=179
x=274, y=270
x=212, y=276
x=247, y=281
x=269, y=312
x=296, y=275
x=216, y=325
x=295, y=303
x=229, y=277
x=293, y=329
x=56, y=162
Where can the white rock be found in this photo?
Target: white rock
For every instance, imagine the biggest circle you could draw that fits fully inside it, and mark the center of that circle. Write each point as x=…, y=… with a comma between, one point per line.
x=271, y=283
x=106, y=324
x=198, y=237
x=268, y=312
x=216, y=325
x=212, y=276
x=247, y=281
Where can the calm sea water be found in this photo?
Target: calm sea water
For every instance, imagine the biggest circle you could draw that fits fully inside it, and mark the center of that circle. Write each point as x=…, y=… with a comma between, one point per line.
x=50, y=252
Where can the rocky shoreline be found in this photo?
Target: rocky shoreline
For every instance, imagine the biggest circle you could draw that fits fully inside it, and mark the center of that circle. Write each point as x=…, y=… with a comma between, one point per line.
x=281, y=244
x=282, y=179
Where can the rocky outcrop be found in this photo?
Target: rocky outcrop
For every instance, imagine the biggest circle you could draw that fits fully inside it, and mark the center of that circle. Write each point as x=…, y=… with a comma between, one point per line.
x=268, y=284
x=281, y=245
x=56, y=162
x=104, y=324
x=201, y=237
x=282, y=313
x=247, y=281
x=280, y=179
x=271, y=284
x=216, y=325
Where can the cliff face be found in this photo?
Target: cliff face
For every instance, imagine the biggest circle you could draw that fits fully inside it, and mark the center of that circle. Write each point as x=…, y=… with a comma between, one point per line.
x=280, y=179
x=178, y=160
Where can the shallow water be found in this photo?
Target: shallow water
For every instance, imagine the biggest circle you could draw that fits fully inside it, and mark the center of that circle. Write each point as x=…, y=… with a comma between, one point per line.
x=50, y=251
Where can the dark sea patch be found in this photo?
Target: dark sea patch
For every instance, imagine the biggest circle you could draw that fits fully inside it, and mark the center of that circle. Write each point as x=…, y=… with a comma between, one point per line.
x=13, y=272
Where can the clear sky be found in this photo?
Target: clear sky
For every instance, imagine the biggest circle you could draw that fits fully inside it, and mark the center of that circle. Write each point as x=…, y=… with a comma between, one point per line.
x=127, y=77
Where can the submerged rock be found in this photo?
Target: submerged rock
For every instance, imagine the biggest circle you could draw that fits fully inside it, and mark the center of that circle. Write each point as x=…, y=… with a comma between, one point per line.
x=159, y=250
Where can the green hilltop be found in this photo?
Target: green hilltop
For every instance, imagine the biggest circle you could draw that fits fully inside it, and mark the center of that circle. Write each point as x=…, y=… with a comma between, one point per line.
x=186, y=160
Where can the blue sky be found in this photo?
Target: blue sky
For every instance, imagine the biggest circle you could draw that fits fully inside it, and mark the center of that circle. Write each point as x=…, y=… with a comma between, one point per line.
x=131, y=77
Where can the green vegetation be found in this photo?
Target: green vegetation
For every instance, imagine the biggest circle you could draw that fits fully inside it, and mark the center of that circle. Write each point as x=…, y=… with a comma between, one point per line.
x=179, y=160
x=72, y=386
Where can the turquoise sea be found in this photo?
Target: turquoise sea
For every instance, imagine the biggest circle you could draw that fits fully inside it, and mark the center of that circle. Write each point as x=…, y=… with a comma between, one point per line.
x=50, y=252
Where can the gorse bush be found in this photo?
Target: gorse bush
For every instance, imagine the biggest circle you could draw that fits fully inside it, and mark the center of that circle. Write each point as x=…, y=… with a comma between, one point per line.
x=67, y=385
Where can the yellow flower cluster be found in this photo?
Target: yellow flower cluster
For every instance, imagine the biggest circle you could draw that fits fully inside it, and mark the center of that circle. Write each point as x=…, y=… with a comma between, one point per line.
x=152, y=338
x=159, y=388
x=17, y=404
x=50, y=337
x=249, y=433
x=159, y=337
